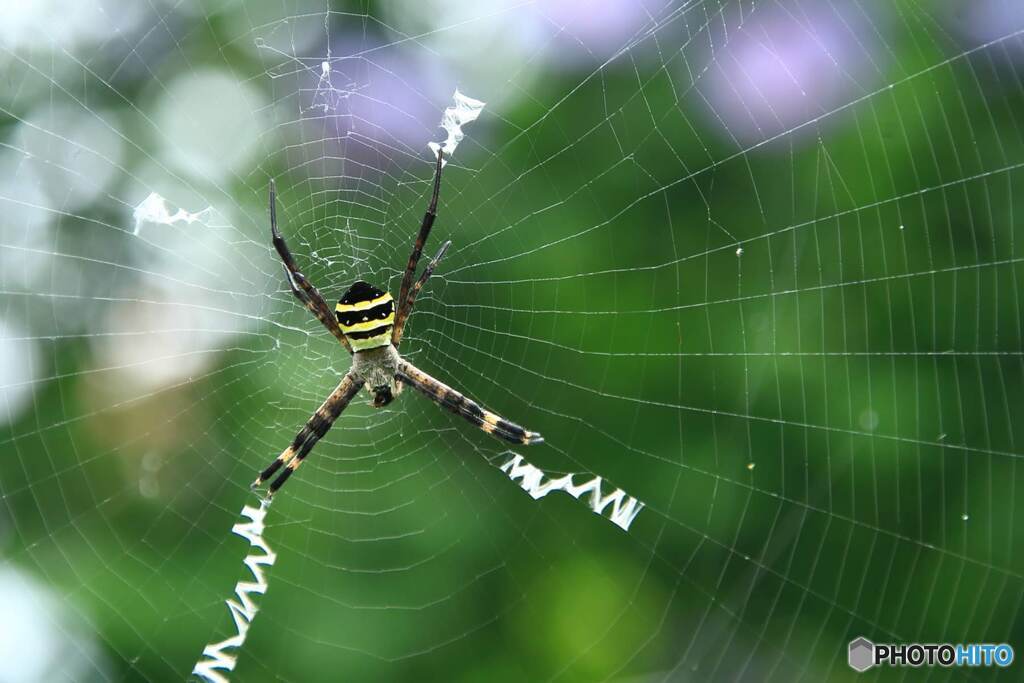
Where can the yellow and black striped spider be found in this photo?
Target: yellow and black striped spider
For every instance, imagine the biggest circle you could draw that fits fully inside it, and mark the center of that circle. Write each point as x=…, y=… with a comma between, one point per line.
x=368, y=326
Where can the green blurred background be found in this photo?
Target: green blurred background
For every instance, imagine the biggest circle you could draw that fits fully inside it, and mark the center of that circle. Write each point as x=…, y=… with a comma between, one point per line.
x=756, y=263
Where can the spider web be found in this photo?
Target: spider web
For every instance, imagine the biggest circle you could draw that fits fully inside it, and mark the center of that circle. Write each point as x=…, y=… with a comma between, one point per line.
x=756, y=263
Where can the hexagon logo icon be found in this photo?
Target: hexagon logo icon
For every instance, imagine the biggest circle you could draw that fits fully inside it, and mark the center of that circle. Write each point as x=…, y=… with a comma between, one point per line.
x=862, y=654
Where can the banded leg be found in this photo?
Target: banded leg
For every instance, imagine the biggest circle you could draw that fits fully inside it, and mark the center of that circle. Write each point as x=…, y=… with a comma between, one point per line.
x=399, y=328
x=310, y=433
x=302, y=288
x=417, y=250
x=446, y=397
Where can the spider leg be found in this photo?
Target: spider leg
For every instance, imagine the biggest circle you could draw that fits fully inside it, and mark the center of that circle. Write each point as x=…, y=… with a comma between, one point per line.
x=302, y=288
x=403, y=309
x=399, y=328
x=310, y=433
x=446, y=397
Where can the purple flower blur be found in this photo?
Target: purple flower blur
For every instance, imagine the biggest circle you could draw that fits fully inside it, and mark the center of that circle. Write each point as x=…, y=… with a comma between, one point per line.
x=383, y=96
x=786, y=67
x=986, y=21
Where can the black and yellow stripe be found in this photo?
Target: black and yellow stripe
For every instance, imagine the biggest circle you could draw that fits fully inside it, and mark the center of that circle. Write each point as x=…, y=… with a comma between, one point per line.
x=366, y=316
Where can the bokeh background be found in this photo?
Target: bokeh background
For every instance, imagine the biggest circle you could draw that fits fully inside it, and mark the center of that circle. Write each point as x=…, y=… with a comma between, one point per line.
x=757, y=263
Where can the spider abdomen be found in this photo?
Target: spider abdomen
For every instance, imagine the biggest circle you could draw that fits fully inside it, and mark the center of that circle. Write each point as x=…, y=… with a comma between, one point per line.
x=366, y=316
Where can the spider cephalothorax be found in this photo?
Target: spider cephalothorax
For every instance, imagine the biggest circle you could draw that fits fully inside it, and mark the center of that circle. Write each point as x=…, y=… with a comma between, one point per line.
x=368, y=323
x=378, y=368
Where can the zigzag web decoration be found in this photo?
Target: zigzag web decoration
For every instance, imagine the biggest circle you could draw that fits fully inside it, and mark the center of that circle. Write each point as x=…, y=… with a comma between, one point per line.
x=624, y=508
x=243, y=611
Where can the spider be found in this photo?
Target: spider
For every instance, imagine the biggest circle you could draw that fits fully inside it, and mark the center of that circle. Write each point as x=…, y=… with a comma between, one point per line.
x=370, y=326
